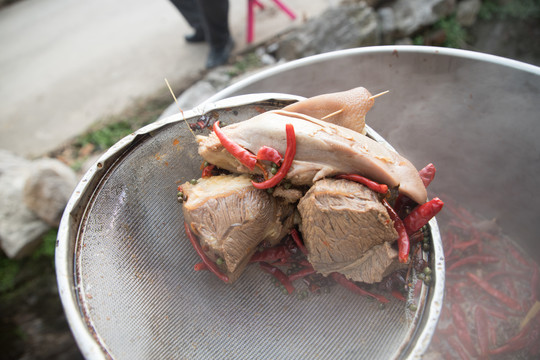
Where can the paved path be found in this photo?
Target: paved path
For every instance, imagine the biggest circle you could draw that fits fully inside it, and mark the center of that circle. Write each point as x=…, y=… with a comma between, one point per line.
x=65, y=64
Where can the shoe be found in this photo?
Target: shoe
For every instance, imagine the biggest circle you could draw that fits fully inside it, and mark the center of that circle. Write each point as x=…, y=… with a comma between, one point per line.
x=196, y=37
x=219, y=55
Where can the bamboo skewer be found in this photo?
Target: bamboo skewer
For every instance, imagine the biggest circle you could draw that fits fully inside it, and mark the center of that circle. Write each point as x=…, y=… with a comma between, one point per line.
x=332, y=114
x=379, y=94
x=179, y=108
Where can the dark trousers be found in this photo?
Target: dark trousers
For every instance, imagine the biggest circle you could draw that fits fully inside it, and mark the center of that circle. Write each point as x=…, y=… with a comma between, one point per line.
x=211, y=16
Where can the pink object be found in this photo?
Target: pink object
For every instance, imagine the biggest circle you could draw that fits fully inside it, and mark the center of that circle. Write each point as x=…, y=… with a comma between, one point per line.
x=251, y=16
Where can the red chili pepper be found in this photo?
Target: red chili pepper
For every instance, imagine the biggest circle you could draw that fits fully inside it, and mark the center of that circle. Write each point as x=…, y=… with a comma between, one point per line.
x=473, y=259
x=348, y=284
x=403, y=239
x=302, y=273
x=460, y=322
x=421, y=215
x=270, y=154
x=398, y=295
x=457, y=347
x=200, y=266
x=209, y=263
x=380, y=188
x=278, y=274
x=290, y=152
x=515, y=343
x=482, y=330
x=207, y=171
x=244, y=156
x=298, y=241
x=271, y=254
x=511, y=303
x=427, y=174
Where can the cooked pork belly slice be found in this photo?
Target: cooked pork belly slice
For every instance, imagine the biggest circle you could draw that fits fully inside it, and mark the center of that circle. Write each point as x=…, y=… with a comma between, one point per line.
x=322, y=150
x=341, y=222
x=351, y=107
x=230, y=218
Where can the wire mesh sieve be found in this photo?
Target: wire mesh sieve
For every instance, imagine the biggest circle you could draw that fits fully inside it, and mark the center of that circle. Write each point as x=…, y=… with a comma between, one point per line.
x=133, y=293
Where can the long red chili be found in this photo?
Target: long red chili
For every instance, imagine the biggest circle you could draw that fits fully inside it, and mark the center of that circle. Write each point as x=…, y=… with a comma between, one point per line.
x=244, y=156
x=348, y=284
x=460, y=322
x=375, y=186
x=482, y=330
x=473, y=259
x=403, y=239
x=209, y=263
x=298, y=241
x=278, y=274
x=271, y=254
x=270, y=154
x=516, y=343
x=421, y=215
x=302, y=273
x=427, y=174
x=511, y=303
x=290, y=152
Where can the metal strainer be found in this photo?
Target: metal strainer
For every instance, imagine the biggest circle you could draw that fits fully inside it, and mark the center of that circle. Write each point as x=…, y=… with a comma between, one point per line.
x=126, y=278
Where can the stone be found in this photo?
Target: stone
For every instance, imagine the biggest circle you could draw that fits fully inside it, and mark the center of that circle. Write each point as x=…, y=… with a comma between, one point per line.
x=48, y=188
x=348, y=26
x=467, y=11
x=21, y=230
x=412, y=15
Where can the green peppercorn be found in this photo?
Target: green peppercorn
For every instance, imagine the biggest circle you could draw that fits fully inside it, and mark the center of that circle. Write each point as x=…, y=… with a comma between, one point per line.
x=413, y=307
x=193, y=181
x=206, y=163
x=421, y=276
x=220, y=261
x=287, y=185
x=180, y=194
x=427, y=279
x=426, y=246
x=284, y=291
x=273, y=170
x=427, y=270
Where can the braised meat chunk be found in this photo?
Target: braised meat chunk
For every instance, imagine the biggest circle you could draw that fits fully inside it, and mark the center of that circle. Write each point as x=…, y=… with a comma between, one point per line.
x=341, y=221
x=230, y=218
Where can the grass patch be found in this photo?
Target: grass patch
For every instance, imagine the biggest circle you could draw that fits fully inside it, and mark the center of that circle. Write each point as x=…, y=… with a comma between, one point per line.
x=514, y=9
x=456, y=35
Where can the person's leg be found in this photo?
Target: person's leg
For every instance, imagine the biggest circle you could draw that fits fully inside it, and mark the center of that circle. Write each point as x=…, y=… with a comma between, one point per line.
x=192, y=13
x=216, y=18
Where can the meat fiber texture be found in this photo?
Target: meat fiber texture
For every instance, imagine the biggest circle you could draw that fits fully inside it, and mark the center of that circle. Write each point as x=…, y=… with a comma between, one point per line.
x=322, y=150
x=346, y=229
x=231, y=218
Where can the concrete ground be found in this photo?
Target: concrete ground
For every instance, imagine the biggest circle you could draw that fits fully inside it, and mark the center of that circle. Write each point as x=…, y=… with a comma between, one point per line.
x=65, y=64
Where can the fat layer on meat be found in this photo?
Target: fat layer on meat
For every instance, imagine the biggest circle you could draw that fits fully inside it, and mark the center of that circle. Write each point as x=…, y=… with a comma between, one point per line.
x=343, y=223
x=322, y=150
x=230, y=218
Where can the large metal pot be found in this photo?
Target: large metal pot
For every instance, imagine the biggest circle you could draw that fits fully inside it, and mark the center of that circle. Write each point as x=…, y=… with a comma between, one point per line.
x=125, y=272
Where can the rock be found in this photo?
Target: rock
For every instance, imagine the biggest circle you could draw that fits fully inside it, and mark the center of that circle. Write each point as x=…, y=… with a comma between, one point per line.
x=412, y=15
x=467, y=11
x=48, y=189
x=33, y=195
x=20, y=229
x=348, y=26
